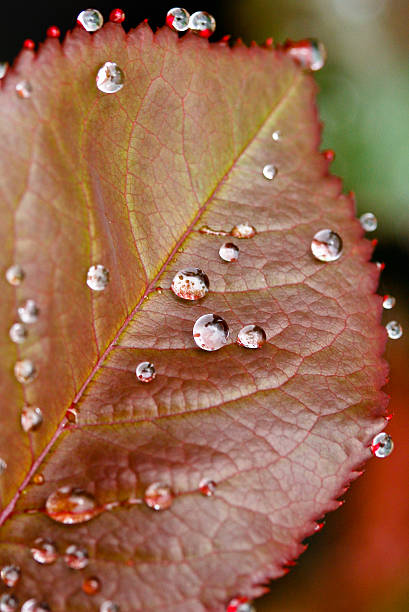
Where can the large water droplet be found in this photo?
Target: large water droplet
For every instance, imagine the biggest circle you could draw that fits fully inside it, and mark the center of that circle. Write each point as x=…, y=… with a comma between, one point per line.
x=158, y=496
x=28, y=312
x=178, y=19
x=32, y=605
x=145, y=371
x=309, y=53
x=202, y=23
x=24, y=89
x=269, y=172
x=91, y=20
x=229, y=252
x=276, y=136
x=251, y=336
x=44, y=551
x=388, y=302
x=243, y=230
x=382, y=445
x=15, y=275
x=10, y=575
x=97, y=277
x=18, y=333
x=3, y=69
x=326, y=245
x=394, y=330
x=240, y=604
x=8, y=603
x=3, y=466
x=91, y=585
x=210, y=332
x=25, y=371
x=110, y=78
x=190, y=284
x=31, y=418
x=369, y=222
x=69, y=505
x=76, y=557
x=109, y=606
x=207, y=487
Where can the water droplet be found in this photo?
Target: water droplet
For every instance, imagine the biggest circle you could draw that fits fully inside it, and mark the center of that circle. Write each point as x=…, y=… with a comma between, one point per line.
x=72, y=415
x=29, y=44
x=145, y=371
x=110, y=78
x=25, y=371
x=97, y=277
x=326, y=245
x=210, y=332
x=251, y=336
x=10, y=575
x=380, y=265
x=269, y=172
x=28, y=312
x=190, y=284
x=240, y=604
x=369, y=222
x=24, y=89
x=382, y=445
x=44, y=551
x=202, y=23
x=117, y=16
x=329, y=155
x=91, y=20
x=91, y=585
x=15, y=275
x=53, y=32
x=309, y=53
x=243, y=230
x=76, y=557
x=207, y=487
x=38, y=479
x=158, y=496
x=229, y=252
x=69, y=505
x=205, y=229
x=8, y=603
x=178, y=19
x=31, y=418
x=32, y=605
x=276, y=136
x=18, y=333
x=3, y=69
x=109, y=606
x=3, y=466
x=388, y=302
x=394, y=330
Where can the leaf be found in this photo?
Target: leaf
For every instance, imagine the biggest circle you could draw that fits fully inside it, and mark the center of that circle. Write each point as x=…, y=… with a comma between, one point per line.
x=127, y=181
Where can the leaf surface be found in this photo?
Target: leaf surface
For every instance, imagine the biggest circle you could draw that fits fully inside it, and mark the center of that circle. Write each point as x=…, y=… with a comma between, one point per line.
x=127, y=180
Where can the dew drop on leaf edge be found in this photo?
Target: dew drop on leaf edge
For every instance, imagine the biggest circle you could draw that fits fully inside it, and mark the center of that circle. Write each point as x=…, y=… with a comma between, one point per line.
x=394, y=330
x=10, y=575
x=190, y=284
x=382, y=445
x=3, y=69
x=70, y=506
x=44, y=551
x=110, y=78
x=158, y=496
x=178, y=19
x=76, y=557
x=240, y=604
x=388, y=302
x=229, y=252
x=90, y=19
x=369, y=222
x=210, y=332
x=326, y=245
x=202, y=23
x=145, y=372
x=309, y=53
x=31, y=418
x=251, y=336
x=97, y=277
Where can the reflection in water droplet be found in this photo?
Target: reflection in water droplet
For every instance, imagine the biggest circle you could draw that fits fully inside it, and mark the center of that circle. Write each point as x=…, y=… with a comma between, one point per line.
x=8, y=603
x=190, y=284
x=178, y=19
x=38, y=479
x=251, y=336
x=109, y=606
x=18, y=333
x=3, y=69
x=31, y=418
x=110, y=78
x=32, y=605
x=3, y=466
x=369, y=222
x=91, y=585
x=207, y=487
x=28, y=312
x=69, y=505
x=10, y=575
x=24, y=89
x=388, y=302
x=44, y=551
x=309, y=53
x=15, y=275
x=382, y=445
x=210, y=332
x=158, y=496
x=229, y=252
x=269, y=172
x=90, y=19
x=276, y=136
x=394, y=330
x=145, y=371
x=202, y=23
x=97, y=277
x=240, y=604
x=25, y=371
x=76, y=557
x=326, y=245
x=243, y=230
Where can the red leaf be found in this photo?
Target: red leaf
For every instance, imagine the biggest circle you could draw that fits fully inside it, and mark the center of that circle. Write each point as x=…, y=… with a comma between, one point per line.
x=127, y=181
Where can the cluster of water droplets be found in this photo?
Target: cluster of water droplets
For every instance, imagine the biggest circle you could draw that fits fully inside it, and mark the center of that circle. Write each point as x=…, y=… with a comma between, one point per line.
x=201, y=23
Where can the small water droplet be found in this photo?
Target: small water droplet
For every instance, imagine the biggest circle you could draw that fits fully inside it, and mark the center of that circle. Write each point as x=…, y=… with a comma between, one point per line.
x=18, y=333
x=329, y=155
x=24, y=89
x=32, y=605
x=31, y=418
x=394, y=330
x=276, y=136
x=97, y=277
x=91, y=20
x=326, y=245
x=190, y=284
x=28, y=312
x=117, y=16
x=158, y=496
x=3, y=69
x=110, y=78
x=369, y=222
x=109, y=606
x=207, y=487
x=178, y=19
x=382, y=445
x=3, y=466
x=29, y=44
x=210, y=332
x=8, y=603
x=70, y=506
x=145, y=371
x=38, y=479
x=229, y=252
x=202, y=23
x=10, y=575
x=15, y=275
x=240, y=604
x=205, y=229
x=91, y=585
x=25, y=371
x=269, y=172
x=76, y=557
x=243, y=230
x=53, y=32
x=388, y=302
x=309, y=53
x=380, y=265
x=72, y=415
x=44, y=551
x=251, y=336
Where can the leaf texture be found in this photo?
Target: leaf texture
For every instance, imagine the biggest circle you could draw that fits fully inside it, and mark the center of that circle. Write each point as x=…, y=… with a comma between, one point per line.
x=127, y=181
